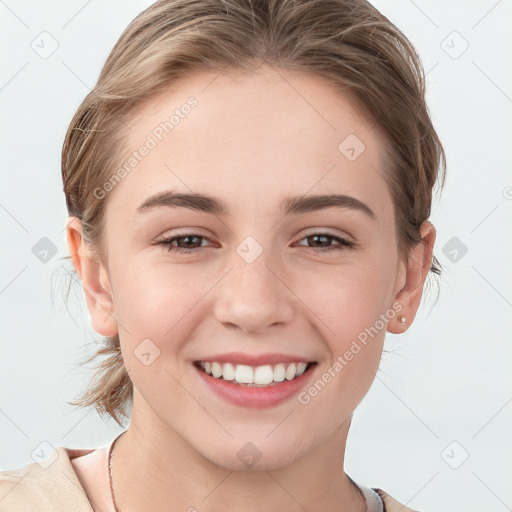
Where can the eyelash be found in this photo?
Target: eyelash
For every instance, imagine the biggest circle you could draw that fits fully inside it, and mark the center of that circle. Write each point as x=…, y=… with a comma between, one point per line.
x=166, y=243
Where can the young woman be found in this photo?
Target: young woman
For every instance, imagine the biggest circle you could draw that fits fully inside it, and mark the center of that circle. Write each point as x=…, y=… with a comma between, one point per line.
x=249, y=186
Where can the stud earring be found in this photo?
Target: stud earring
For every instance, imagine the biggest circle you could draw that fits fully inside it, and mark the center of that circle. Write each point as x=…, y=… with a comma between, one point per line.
x=402, y=320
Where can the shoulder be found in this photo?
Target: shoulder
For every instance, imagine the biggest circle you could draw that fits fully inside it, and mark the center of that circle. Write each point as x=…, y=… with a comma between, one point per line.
x=390, y=504
x=51, y=485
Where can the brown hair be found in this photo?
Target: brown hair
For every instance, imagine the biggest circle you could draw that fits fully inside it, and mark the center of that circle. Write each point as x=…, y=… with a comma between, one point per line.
x=349, y=42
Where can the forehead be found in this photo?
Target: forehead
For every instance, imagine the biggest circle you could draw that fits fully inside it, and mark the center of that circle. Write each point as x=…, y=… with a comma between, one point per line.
x=252, y=135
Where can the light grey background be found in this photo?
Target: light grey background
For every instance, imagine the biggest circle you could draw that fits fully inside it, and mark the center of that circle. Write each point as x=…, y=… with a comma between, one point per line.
x=446, y=389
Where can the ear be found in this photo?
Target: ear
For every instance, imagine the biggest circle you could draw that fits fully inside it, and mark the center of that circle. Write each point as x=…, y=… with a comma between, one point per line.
x=94, y=279
x=416, y=271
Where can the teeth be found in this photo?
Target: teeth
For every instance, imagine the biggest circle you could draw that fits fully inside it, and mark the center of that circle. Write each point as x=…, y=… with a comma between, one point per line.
x=228, y=371
x=256, y=376
x=216, y=370
x=301, y=368
x=244, y=374
x=279, y=372
x=263, y=375
x=291, y=371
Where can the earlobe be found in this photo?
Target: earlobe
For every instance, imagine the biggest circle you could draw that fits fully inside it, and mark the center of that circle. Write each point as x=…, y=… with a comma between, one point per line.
x=94, y=280
x=417, y=269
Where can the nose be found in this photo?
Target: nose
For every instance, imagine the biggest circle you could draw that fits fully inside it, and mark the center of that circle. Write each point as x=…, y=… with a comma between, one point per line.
x=254, y=296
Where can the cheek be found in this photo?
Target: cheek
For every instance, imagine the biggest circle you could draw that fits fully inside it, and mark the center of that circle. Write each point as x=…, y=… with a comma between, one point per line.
x=152, y=298
x=160, y=306
x=156, y=307
x=348, y=299
x=351, y=308
x=156, y=299
x=352, y=324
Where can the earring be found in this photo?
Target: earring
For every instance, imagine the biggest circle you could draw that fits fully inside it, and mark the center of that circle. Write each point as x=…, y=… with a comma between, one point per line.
x=402, y=320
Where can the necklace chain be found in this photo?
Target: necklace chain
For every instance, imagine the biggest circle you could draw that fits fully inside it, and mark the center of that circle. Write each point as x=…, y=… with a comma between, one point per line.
x=111, y=481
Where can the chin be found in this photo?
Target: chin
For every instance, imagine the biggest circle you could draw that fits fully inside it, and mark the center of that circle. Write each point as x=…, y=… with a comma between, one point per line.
x=263, y=455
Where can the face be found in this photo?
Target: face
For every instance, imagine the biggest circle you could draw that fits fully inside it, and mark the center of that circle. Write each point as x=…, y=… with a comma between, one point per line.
x=265, y=276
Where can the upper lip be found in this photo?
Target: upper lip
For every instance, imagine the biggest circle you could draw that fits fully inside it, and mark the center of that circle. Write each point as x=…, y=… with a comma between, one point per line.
x=256, y=360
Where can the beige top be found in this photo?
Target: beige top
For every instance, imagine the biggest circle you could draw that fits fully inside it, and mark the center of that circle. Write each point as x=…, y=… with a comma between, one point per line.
x=76, y=480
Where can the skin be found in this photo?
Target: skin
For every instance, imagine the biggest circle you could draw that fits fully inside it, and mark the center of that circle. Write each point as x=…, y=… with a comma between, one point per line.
x=252, y=139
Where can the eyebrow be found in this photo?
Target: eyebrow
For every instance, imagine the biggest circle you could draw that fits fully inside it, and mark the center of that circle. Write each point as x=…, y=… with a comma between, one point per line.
x=296, y=205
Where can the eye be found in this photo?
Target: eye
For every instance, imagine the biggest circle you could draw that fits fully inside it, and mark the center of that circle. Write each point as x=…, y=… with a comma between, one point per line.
x=324, y=238
x=190, y=240
x=190, y=243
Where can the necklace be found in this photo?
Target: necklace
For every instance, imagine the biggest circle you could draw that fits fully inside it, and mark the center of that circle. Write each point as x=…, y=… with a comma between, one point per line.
x=111, y=482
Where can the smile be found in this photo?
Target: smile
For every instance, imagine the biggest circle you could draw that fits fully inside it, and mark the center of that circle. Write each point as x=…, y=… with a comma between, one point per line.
x=254, y=386
x=255, y=376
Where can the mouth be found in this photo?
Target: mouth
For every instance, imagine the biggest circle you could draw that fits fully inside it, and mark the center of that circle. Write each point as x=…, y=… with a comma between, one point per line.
x=246, y=386
x=263, y=376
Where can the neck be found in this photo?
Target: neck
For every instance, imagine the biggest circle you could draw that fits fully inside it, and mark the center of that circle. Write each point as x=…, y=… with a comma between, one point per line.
x=155, y=467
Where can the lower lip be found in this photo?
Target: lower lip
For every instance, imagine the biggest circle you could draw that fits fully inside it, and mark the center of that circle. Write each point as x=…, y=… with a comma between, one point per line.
x=255, y=397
